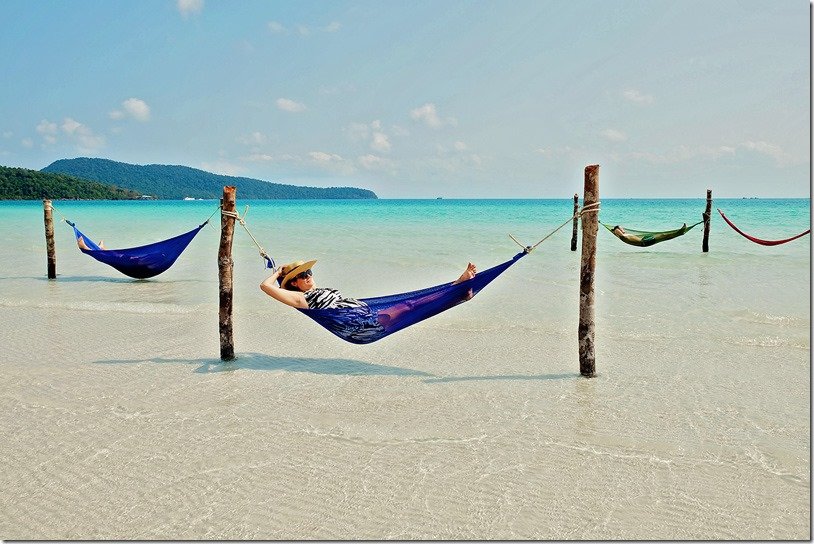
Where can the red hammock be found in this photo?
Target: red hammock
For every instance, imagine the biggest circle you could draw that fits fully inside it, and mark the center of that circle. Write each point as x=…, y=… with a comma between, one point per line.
x=758, y=240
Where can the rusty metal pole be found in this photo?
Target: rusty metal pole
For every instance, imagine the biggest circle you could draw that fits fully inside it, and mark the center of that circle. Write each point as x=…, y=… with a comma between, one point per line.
x=50, y=244
x=707, y=215
x=574, y=231
x=587, y=267
x=225, y=269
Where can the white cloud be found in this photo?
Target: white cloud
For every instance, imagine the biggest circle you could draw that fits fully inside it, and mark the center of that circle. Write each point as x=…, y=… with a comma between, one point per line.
x=289, y=105
x=429, y=116
x=78, y=134
x=613, y=135
x=255, y=138
x=380, y=142
x=322, y=157
x=332, y=162
x=48, y=130
x=277, y=28
x=770, y=150
x=333, y=27
x=373, y=162
x=116, y=115
x=189, y=7
x=360, y=132
x=224, y=168
x=460, y=146
x=265, y=157
x=8, y=134
x=636, y=97
x=82, y=136
x=259, y=157
x=70, y=126
x=303, y=30
x=28, y=143
x=46, y=127
x=137, y=108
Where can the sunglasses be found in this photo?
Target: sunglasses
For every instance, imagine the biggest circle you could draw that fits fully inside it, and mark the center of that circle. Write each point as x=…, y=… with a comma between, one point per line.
x=303, y=275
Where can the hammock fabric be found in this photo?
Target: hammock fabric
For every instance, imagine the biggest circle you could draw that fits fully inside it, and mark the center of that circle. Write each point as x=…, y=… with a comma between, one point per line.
x=643, y=238
x=758, y=240
x=140, y=262
x=385, y=315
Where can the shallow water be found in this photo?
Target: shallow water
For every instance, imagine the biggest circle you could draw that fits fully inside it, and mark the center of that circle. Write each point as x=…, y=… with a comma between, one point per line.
x=123, y=424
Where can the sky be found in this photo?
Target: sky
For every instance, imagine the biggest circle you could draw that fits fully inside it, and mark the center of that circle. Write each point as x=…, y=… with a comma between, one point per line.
x=421, y=99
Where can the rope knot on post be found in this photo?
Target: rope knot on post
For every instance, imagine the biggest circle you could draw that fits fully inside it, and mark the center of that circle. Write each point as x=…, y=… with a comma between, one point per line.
x=242, y=220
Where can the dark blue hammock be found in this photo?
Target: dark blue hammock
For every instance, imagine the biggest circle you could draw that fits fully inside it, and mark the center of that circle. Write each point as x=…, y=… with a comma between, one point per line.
x=140, y=262
x=386, y=315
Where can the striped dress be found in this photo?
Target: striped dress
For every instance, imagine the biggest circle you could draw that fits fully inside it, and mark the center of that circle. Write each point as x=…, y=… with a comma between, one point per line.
x=320, y=298
x=356, y=322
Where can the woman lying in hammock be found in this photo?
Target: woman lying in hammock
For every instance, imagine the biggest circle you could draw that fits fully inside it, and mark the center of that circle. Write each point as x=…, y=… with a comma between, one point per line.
x=645, y=239
x=293, y=284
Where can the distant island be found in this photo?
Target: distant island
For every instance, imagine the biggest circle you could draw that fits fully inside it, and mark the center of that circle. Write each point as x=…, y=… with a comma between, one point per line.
x=24, y=184
x=179, y=182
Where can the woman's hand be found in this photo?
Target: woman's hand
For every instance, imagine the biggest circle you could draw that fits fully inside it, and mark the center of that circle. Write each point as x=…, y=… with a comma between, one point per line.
x=275, y=274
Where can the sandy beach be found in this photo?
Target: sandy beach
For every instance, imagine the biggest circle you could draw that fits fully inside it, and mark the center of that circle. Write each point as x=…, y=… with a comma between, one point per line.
x=505, y=442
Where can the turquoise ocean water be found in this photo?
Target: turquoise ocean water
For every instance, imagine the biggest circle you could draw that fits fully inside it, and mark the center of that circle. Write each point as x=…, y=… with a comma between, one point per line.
x=374, y=247
x=121, y=423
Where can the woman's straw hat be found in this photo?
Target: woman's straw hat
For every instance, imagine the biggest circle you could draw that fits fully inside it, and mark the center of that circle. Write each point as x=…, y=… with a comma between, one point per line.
x=290, y=270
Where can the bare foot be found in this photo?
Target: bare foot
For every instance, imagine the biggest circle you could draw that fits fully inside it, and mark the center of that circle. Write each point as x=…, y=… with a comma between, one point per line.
x=468, y=274
x=81, y=243
x=102, y=244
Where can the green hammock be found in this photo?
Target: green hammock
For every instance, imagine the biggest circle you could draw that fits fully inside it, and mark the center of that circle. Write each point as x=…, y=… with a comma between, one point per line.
x=643, y=238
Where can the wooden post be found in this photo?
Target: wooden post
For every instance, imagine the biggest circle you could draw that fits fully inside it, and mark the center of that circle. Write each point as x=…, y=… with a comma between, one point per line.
x=590, y=224
x=707, y=215
x=574, y=232
x=49, y=239
x=225, y=268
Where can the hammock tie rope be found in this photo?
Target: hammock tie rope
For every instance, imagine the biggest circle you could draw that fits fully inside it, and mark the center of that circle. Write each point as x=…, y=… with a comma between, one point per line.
x=242, y=220
x=590, y=208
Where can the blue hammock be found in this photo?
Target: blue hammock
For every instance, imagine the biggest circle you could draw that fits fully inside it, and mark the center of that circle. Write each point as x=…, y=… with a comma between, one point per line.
x=140, y=262
x=385, y=315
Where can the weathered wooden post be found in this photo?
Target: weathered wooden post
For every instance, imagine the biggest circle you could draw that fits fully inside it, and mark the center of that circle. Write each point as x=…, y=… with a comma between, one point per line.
x=574, y=231
x=225, y=269
x=707, y=215
x=49, y=239
x=590, y=224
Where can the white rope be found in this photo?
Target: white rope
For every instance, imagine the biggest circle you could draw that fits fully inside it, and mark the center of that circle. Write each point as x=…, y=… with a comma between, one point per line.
x=242, y=221
x=590, y=208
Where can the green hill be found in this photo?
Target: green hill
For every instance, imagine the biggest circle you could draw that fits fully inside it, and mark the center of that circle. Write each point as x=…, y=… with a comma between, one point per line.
x=24, y=184
x=177, y=182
